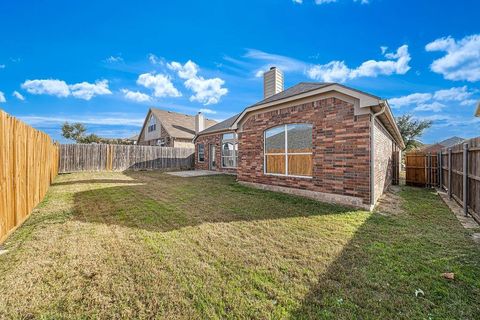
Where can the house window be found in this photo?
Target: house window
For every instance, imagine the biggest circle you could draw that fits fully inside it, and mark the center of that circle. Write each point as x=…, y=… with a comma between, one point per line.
x=201, y=152
x=288, y=150
x=161, y=142
x=152, y=125
x=229, y=150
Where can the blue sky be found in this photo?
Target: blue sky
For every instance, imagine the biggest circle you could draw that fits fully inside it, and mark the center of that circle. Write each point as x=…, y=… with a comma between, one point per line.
x=105, y=63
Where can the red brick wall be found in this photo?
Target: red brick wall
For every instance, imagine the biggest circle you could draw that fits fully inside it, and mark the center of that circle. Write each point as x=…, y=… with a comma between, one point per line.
x=341, y=151
x=207, y=140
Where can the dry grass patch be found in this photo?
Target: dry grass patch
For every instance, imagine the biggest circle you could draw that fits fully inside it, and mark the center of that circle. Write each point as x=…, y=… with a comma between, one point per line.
x=150, y=245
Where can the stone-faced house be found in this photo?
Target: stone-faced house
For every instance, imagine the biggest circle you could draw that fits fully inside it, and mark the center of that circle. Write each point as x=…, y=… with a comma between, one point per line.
x=320, y=140
x=170, y=129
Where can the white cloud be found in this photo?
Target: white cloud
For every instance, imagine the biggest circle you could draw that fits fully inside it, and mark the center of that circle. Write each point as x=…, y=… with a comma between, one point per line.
x=114, y=59
x=469, y=102
x=59, y=88
x=413, y=98
x=99, y=119
x=462, y=58
x=187, y=71
x=208, y=111
x=161, y=85
x=136, y=96
x=453, y=94
x=434, y=107
x=324, y=1
x=298, y=1
x=154, y=59
x=54, y=87
x=331, y=72
x=284, y=63
x=87, y=91
x=2, y=97
x=18, y=95
x=207, y=91
x=338, y=71
x=2, y=66
x=437, y=100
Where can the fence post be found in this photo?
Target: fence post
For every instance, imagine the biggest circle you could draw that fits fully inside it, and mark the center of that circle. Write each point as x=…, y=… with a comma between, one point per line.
x=450, y=173
x=440, y=170
x=465, y=179
x=429, y=170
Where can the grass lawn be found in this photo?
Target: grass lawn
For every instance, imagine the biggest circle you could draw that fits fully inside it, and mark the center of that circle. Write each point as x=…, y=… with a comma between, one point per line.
x=150, y=245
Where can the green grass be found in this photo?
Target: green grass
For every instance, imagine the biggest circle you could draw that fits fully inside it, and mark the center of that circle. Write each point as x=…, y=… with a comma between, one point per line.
x=149, y=245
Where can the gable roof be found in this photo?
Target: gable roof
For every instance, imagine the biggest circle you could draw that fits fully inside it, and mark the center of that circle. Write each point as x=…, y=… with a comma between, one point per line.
x=177, y=125
x=221, y=126
x=306, y=89
x=303, y=87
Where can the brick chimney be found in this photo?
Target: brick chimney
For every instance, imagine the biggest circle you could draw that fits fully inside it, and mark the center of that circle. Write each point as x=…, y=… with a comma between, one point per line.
x=272, y=82
x=199, y=122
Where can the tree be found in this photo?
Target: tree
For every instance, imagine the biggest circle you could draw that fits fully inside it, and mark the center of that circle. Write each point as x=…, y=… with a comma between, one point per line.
x=75, y=131
x=411, y=129
x=91, y=138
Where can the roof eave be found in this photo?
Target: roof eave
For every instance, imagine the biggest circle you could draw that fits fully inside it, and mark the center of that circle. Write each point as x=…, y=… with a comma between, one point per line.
x=391, y=119
x=366, y=100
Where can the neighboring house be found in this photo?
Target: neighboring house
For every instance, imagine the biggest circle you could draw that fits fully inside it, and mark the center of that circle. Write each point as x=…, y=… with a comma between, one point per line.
x=170, y=129
x=320, y=140
x=437, y=147
x=131, y=140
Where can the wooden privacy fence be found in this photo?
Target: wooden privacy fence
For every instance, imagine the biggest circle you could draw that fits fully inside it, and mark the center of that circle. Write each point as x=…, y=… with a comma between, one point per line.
x=456, y=170
x=421, y=169
x=28, y=165
x=104, y=157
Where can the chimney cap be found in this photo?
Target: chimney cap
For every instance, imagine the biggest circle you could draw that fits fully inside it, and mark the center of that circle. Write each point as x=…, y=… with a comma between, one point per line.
x=273, y=68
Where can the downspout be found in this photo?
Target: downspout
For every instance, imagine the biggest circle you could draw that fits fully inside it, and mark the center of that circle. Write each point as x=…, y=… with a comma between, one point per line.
x=372, y=153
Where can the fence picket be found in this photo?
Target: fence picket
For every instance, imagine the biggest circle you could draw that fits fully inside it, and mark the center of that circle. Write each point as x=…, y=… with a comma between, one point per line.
x=92, y=157
x=28, y=163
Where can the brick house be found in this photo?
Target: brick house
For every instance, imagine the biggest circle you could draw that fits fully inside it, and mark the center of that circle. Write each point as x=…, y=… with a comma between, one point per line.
x=320, y=140
x=171, y=129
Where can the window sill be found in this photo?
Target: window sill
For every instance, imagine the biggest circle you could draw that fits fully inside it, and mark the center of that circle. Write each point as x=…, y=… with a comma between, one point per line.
x=287, y=176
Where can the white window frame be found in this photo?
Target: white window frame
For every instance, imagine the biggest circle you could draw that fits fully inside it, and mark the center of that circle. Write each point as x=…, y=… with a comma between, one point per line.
x=265, y=154
x=152, y=124
x=233, y=141
x=198, y=152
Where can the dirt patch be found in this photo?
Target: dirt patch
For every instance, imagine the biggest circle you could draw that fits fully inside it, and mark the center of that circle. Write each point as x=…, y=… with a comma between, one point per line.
x=390, y=203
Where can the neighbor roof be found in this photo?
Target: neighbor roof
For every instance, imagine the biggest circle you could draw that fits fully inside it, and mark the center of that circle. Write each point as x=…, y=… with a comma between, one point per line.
x=477, y=113
x=451, y=141
x=177, y=125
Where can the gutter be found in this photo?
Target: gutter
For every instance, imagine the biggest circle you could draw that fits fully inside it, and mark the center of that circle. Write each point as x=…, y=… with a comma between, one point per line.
x=372, y=153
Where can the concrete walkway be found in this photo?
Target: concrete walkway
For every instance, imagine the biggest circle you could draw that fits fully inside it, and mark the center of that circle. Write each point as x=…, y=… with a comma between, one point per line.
x=467, y=222
x=193, y=173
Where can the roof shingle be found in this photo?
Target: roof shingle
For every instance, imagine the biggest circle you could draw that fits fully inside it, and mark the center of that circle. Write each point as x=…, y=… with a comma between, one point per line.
x=179, y=125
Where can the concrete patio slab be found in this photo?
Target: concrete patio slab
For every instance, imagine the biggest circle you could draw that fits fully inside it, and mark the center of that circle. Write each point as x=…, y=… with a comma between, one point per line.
x=193, y=173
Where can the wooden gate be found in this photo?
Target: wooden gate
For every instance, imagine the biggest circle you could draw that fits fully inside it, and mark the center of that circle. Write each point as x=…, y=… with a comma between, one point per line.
x=422, y=169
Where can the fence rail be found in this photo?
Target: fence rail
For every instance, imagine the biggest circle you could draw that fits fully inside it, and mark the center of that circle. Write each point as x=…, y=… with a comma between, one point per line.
x=103, y=157
x=28, y=165
x=456, y=169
